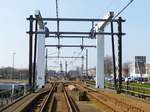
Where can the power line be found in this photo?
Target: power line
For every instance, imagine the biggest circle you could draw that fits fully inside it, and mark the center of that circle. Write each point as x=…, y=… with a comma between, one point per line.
x=53, y=53
x=123, y=9
x=73, y=61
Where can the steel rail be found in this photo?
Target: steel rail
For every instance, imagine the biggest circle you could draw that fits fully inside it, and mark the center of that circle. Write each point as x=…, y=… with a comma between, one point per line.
x=42, y=109
x=99, y=100
x=130, y=107
x=70, y=104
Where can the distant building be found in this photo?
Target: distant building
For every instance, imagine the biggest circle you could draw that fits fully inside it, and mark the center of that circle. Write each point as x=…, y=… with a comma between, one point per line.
x=92, y=72
x=79, y=70
x=134, y=73
x=21, y=74
x=148, y=68
x=51, y=72
x=73, y=73
x=10, y=73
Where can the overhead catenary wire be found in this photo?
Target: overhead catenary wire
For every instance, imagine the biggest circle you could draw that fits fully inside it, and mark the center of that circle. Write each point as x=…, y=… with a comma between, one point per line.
x=57, y=15
x=126, y=6
x=71, y=62
x=53, y=53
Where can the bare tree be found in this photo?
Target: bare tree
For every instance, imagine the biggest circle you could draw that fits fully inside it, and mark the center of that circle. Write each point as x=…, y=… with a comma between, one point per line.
x=126, y=69
x=108, y=65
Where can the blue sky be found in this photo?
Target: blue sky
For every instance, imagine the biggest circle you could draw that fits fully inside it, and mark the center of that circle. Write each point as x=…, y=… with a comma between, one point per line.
x=13, y=37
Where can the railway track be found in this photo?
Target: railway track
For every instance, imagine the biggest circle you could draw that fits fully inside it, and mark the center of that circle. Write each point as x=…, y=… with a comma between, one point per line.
x=40, y=103
x=72, y=107
x=66, y=100
x=51, y=100
x=112, y=103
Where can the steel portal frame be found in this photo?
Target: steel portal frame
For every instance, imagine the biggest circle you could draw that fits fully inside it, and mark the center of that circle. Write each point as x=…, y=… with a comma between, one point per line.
x=59, y=34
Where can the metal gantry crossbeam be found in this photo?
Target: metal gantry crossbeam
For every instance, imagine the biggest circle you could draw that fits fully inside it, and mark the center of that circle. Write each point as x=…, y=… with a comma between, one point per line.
x=64, y=57
x=70, y=34
x=75, y=19
x=80, y=34
x=81, y=46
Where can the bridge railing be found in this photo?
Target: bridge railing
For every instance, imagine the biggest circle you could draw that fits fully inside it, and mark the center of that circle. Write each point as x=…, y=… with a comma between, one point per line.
x=7, y=97
x=128, y=89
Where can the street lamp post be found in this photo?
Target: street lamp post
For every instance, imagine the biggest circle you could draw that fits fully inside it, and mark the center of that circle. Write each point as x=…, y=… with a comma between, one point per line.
x=13, y=65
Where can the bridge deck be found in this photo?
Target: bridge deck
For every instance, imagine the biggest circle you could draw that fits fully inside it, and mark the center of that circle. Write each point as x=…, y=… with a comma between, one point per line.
x=18, y=106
